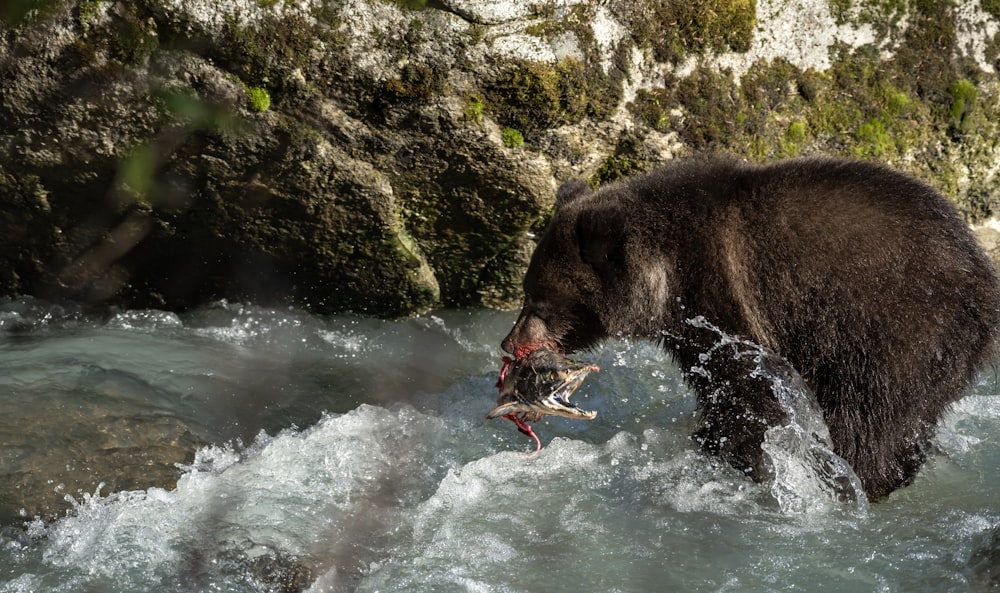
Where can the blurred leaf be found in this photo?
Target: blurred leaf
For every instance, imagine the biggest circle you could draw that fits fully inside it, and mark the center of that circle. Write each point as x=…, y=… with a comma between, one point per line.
x=205, y=116
x=15, y=13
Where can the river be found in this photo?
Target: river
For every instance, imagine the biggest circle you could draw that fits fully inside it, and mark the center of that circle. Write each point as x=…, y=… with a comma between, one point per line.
x=351, y=454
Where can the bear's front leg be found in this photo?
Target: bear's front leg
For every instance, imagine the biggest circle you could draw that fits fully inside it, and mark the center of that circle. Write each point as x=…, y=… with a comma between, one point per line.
x=735, y=384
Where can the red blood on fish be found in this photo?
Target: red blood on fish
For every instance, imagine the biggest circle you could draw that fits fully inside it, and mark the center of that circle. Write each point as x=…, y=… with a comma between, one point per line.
x=525, y=429
x=518, y=421
x=507, y=361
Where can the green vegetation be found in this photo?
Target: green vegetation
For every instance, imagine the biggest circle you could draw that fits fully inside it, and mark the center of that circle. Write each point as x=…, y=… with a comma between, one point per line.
x=533, y=96
x=991, y=7
x=258, y=99
x=649, y=106
x=512, y=138
x=796, y=131
x=14, y=13
x=963, y=104
x=474, y=107
x=872, y=140
x=883, y=15
x=861, y=107
x=615, y=167
x=87, y=12
x=126, y=36
x=795, y=136
x=628, y=159
x=675, y=29
x=267, y=54
x=415, y=82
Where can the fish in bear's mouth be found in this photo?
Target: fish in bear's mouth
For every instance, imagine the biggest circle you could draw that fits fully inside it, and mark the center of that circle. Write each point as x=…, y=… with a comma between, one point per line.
x=540, y=384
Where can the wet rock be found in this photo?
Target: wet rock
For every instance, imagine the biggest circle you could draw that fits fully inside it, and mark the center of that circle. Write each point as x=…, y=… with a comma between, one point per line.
x=90, y=449
x=985, y=563
x=261, y=570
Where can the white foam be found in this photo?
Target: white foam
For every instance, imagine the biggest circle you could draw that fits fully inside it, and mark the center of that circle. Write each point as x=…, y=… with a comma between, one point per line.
x=300, y=493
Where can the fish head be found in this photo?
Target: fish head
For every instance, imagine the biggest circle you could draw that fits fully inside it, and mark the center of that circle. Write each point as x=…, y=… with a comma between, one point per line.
x=540, y=384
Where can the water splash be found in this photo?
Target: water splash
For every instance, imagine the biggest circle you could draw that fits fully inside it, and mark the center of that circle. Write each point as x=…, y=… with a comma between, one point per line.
x=808, y=475
x=328, y=495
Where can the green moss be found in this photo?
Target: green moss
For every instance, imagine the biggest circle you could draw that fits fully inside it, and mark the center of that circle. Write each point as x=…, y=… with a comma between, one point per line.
x=872, y=140
x=795, y=137
x=87, y=12
x=772, y=85
x=859, y=108
x=415, y=82
x=526, y=96
x=628, y=159
x=963, y=104
x=796, y=131
x=129, y=37
x=258, y=99
x=512, y=138
x=896, y=102
x=675, y=29
x=474, y=108
x=840, y=10
x=991, y=7
x=271, y=51
x=709, y=100
x=615, y=167
x=883, y=15
x=923, y=63
x=924, y=111
x=14, y=13
x=533, y=96
x=992, y=51
x=649, y=107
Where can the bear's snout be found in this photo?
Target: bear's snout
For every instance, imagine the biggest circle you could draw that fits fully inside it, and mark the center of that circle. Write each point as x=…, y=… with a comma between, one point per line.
x=528, y=334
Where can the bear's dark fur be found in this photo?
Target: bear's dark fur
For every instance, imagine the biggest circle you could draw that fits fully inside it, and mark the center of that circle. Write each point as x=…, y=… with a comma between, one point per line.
x=865, y=280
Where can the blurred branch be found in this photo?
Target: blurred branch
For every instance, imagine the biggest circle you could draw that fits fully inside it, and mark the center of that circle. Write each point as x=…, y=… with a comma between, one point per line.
x=14, y=13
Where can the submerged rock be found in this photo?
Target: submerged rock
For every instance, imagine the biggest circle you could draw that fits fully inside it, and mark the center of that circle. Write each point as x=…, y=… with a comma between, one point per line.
x=389, y=156
x=985, y=562
x=89, y=450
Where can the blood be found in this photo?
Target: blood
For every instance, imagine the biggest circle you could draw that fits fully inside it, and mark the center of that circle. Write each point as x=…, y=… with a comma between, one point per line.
x=507, y=361
x=526, y=430
x=518, y=421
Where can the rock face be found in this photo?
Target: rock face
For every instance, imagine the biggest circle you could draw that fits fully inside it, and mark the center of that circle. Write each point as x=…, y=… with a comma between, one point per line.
x=387, y=156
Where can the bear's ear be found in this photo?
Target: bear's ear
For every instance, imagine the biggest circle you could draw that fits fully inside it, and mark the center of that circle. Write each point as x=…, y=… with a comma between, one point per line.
x=600, y=236
x=572, y=190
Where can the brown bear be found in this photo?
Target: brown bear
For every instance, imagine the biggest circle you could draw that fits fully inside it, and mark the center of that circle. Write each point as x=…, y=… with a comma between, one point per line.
x=866, y=281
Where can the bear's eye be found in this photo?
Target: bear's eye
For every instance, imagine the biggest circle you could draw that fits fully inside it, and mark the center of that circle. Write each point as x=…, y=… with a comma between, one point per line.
x=543, y=314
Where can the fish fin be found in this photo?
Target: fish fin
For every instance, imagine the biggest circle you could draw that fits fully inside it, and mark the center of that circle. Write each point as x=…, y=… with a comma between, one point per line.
x=503, y=410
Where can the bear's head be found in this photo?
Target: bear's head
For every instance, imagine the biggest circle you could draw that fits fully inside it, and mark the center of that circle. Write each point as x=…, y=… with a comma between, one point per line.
x=579, y=287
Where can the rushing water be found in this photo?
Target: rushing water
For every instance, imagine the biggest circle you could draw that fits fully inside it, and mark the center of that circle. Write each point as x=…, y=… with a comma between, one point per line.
x=348, y=454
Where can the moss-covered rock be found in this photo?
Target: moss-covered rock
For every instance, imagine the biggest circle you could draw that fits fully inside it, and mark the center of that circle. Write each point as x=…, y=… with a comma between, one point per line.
x=673, y=29
x=534, y=96
x=386, y=157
